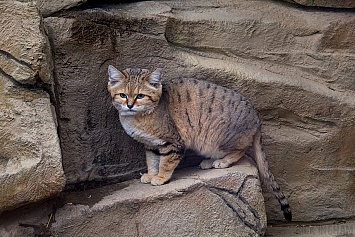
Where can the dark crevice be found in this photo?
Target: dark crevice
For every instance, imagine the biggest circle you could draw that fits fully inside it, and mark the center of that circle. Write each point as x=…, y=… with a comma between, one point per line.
x=54, y=89
x=102, y=3
x=10, y=78
x=252, y=210
x=258, y=228
x=94, y=184
x=315, y=8
x=91, y=4
x=240, y=188
x=10, y=56
x=39, y=85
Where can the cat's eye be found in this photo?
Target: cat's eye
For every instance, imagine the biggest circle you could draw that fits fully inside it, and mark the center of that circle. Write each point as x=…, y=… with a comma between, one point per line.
x=140, y=96
x=124, y=96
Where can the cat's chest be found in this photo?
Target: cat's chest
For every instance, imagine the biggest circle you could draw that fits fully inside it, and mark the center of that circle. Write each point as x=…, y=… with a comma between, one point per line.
x=140, y=134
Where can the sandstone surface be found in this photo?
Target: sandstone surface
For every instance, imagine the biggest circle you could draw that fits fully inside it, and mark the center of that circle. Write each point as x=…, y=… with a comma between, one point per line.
x=196, y=202
x=30, y=156
x=49, y=7
x=295, y=65
x=24, y=47
x=30, y=159
x=325, y=3
x=94, y=145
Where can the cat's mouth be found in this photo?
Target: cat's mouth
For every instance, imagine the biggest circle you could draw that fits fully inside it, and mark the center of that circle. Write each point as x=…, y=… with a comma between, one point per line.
x=135, y=110
x=128, y=112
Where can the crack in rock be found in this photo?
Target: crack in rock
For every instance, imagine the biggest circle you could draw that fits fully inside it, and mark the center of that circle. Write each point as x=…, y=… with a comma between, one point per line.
x=10, y=56
x=240, y=206
x=16, y=69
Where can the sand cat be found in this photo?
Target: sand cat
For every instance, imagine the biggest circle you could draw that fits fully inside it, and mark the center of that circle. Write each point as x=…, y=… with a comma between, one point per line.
x=170, y=117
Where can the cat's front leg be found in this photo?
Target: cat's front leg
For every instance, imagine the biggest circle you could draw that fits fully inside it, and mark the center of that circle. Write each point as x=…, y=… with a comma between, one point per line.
x=167, y=166
x=153, y=161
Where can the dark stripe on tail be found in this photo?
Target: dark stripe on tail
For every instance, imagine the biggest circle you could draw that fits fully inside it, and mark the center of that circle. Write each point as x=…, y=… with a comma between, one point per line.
x=287, y=212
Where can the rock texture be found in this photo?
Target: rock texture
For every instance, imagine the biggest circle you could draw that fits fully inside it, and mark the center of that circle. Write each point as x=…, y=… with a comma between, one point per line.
x=295, y=65
x=94, y=145
x=49, y=7
x=325, y=3
x=331, y=229
x=195, y=203
x=24, y=47
x=30, y=157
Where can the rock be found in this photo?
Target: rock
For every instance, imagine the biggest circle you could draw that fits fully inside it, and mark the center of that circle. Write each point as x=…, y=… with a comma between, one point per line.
x=297, y=71
x=325, y=3
x=30, y=157
x=24, y=47
x=196, y=202
x=316, y=44
x=94, y=145
x=22, y=73
x=48, y=8
x=30, y=160
x=335, y=229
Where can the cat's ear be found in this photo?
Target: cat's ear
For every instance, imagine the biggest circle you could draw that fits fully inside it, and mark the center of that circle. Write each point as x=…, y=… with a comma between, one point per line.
x=114, y=75
x=154, y=78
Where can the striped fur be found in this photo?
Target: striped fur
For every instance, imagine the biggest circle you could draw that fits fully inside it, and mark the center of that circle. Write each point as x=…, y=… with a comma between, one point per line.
x=181, y=114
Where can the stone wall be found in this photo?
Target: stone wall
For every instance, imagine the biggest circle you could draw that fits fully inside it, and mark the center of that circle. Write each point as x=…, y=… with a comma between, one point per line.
x=30, y=156
x=50, y=7
x=94, y=145
x=325, y=3
x=294, y=63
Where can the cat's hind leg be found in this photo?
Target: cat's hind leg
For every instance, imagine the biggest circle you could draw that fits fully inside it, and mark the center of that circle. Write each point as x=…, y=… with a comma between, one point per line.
x=206, y=164
x=228, y=160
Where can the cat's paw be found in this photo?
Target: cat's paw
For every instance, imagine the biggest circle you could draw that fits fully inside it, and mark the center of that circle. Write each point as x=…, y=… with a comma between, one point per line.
x=156, y=180
x=206, y=164
x=220, y=164
x=146, y=178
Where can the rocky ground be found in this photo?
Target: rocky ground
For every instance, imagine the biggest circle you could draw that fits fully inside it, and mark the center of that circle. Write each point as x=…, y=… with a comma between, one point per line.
x=195, y=203
x=219, y=202
x=342, y=228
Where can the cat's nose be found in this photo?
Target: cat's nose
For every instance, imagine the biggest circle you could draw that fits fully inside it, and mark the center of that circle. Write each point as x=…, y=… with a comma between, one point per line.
x=130, y=105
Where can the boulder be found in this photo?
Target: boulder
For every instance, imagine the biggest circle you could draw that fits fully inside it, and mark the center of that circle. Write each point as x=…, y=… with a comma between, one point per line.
x=295, y=65
x=94, y=146
x=196, y=202
x=325, y=3
x=30, y=156
x=24, y=47
x=49, y=7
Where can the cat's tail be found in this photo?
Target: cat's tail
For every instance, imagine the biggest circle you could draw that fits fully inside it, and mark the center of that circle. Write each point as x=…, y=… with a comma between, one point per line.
x=268, y=177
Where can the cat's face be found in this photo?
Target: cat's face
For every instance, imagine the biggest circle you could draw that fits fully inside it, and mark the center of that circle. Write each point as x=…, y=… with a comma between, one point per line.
x=134, y=91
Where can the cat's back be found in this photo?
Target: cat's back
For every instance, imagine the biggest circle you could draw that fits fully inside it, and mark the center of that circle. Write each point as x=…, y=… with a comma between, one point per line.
x=203, y=109
x=208, y=98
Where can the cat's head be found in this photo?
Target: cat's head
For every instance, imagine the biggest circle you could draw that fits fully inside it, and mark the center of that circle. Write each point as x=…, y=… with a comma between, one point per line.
x=134, y=91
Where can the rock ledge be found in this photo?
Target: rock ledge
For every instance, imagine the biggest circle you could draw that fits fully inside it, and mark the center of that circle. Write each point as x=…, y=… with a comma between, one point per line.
x=196, y=202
